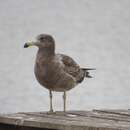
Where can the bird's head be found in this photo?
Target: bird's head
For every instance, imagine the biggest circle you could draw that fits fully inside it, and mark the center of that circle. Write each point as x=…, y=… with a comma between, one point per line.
x=43, y=41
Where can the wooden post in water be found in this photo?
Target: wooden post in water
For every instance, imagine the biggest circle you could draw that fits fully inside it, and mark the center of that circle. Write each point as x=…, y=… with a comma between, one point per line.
x=73, y=120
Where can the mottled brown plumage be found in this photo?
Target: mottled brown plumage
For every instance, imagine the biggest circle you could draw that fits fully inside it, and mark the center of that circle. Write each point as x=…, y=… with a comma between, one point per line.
x=56, y=72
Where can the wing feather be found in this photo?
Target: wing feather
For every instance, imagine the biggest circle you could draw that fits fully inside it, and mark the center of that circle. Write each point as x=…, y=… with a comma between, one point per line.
x=71, y=67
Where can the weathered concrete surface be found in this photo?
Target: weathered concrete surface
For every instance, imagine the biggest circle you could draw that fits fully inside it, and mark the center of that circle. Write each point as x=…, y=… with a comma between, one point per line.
x=72, y=120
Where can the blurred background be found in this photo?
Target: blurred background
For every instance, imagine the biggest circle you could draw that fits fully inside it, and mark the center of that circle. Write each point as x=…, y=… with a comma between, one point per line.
x=96, y=33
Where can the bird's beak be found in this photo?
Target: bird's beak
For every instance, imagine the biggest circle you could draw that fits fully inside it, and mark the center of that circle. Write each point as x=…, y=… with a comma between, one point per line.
x=28, y=44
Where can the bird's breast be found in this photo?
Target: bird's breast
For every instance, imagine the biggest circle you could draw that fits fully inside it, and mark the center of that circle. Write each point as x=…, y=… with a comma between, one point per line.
x=51, y=75
x=46, y=73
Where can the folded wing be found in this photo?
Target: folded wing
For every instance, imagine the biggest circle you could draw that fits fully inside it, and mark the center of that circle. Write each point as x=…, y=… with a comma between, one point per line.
x=72, y=68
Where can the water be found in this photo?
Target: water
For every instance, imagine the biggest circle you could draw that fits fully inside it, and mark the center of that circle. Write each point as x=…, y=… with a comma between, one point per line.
x=95, y=33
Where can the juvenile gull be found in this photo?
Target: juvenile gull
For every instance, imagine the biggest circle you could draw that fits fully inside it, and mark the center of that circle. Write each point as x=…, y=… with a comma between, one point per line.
x=56, y=72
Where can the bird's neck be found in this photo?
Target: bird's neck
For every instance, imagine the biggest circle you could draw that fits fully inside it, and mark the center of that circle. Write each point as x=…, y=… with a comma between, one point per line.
x=46, y=52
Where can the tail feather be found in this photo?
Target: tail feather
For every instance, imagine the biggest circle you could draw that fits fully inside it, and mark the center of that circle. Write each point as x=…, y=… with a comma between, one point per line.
x=86, y=73
x=88, y=69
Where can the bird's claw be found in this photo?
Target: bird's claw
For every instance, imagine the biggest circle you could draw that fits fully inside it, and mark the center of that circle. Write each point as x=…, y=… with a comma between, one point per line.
x=51, y=112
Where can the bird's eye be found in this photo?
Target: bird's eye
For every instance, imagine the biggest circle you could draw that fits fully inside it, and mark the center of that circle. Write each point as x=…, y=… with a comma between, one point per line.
x=41, y=39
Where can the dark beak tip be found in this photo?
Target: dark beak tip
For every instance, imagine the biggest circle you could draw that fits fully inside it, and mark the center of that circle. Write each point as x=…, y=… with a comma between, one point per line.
x=25, y=45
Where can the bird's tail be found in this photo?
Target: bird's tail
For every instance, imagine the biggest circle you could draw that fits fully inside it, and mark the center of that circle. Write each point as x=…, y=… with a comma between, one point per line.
x=86, y=73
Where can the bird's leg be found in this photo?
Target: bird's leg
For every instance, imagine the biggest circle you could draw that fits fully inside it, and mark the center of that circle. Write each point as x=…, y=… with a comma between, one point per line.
x=51, y=108
x=64, y=98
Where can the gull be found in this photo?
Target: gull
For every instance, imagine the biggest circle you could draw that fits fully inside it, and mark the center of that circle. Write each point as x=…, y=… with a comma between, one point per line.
x=56, y=72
